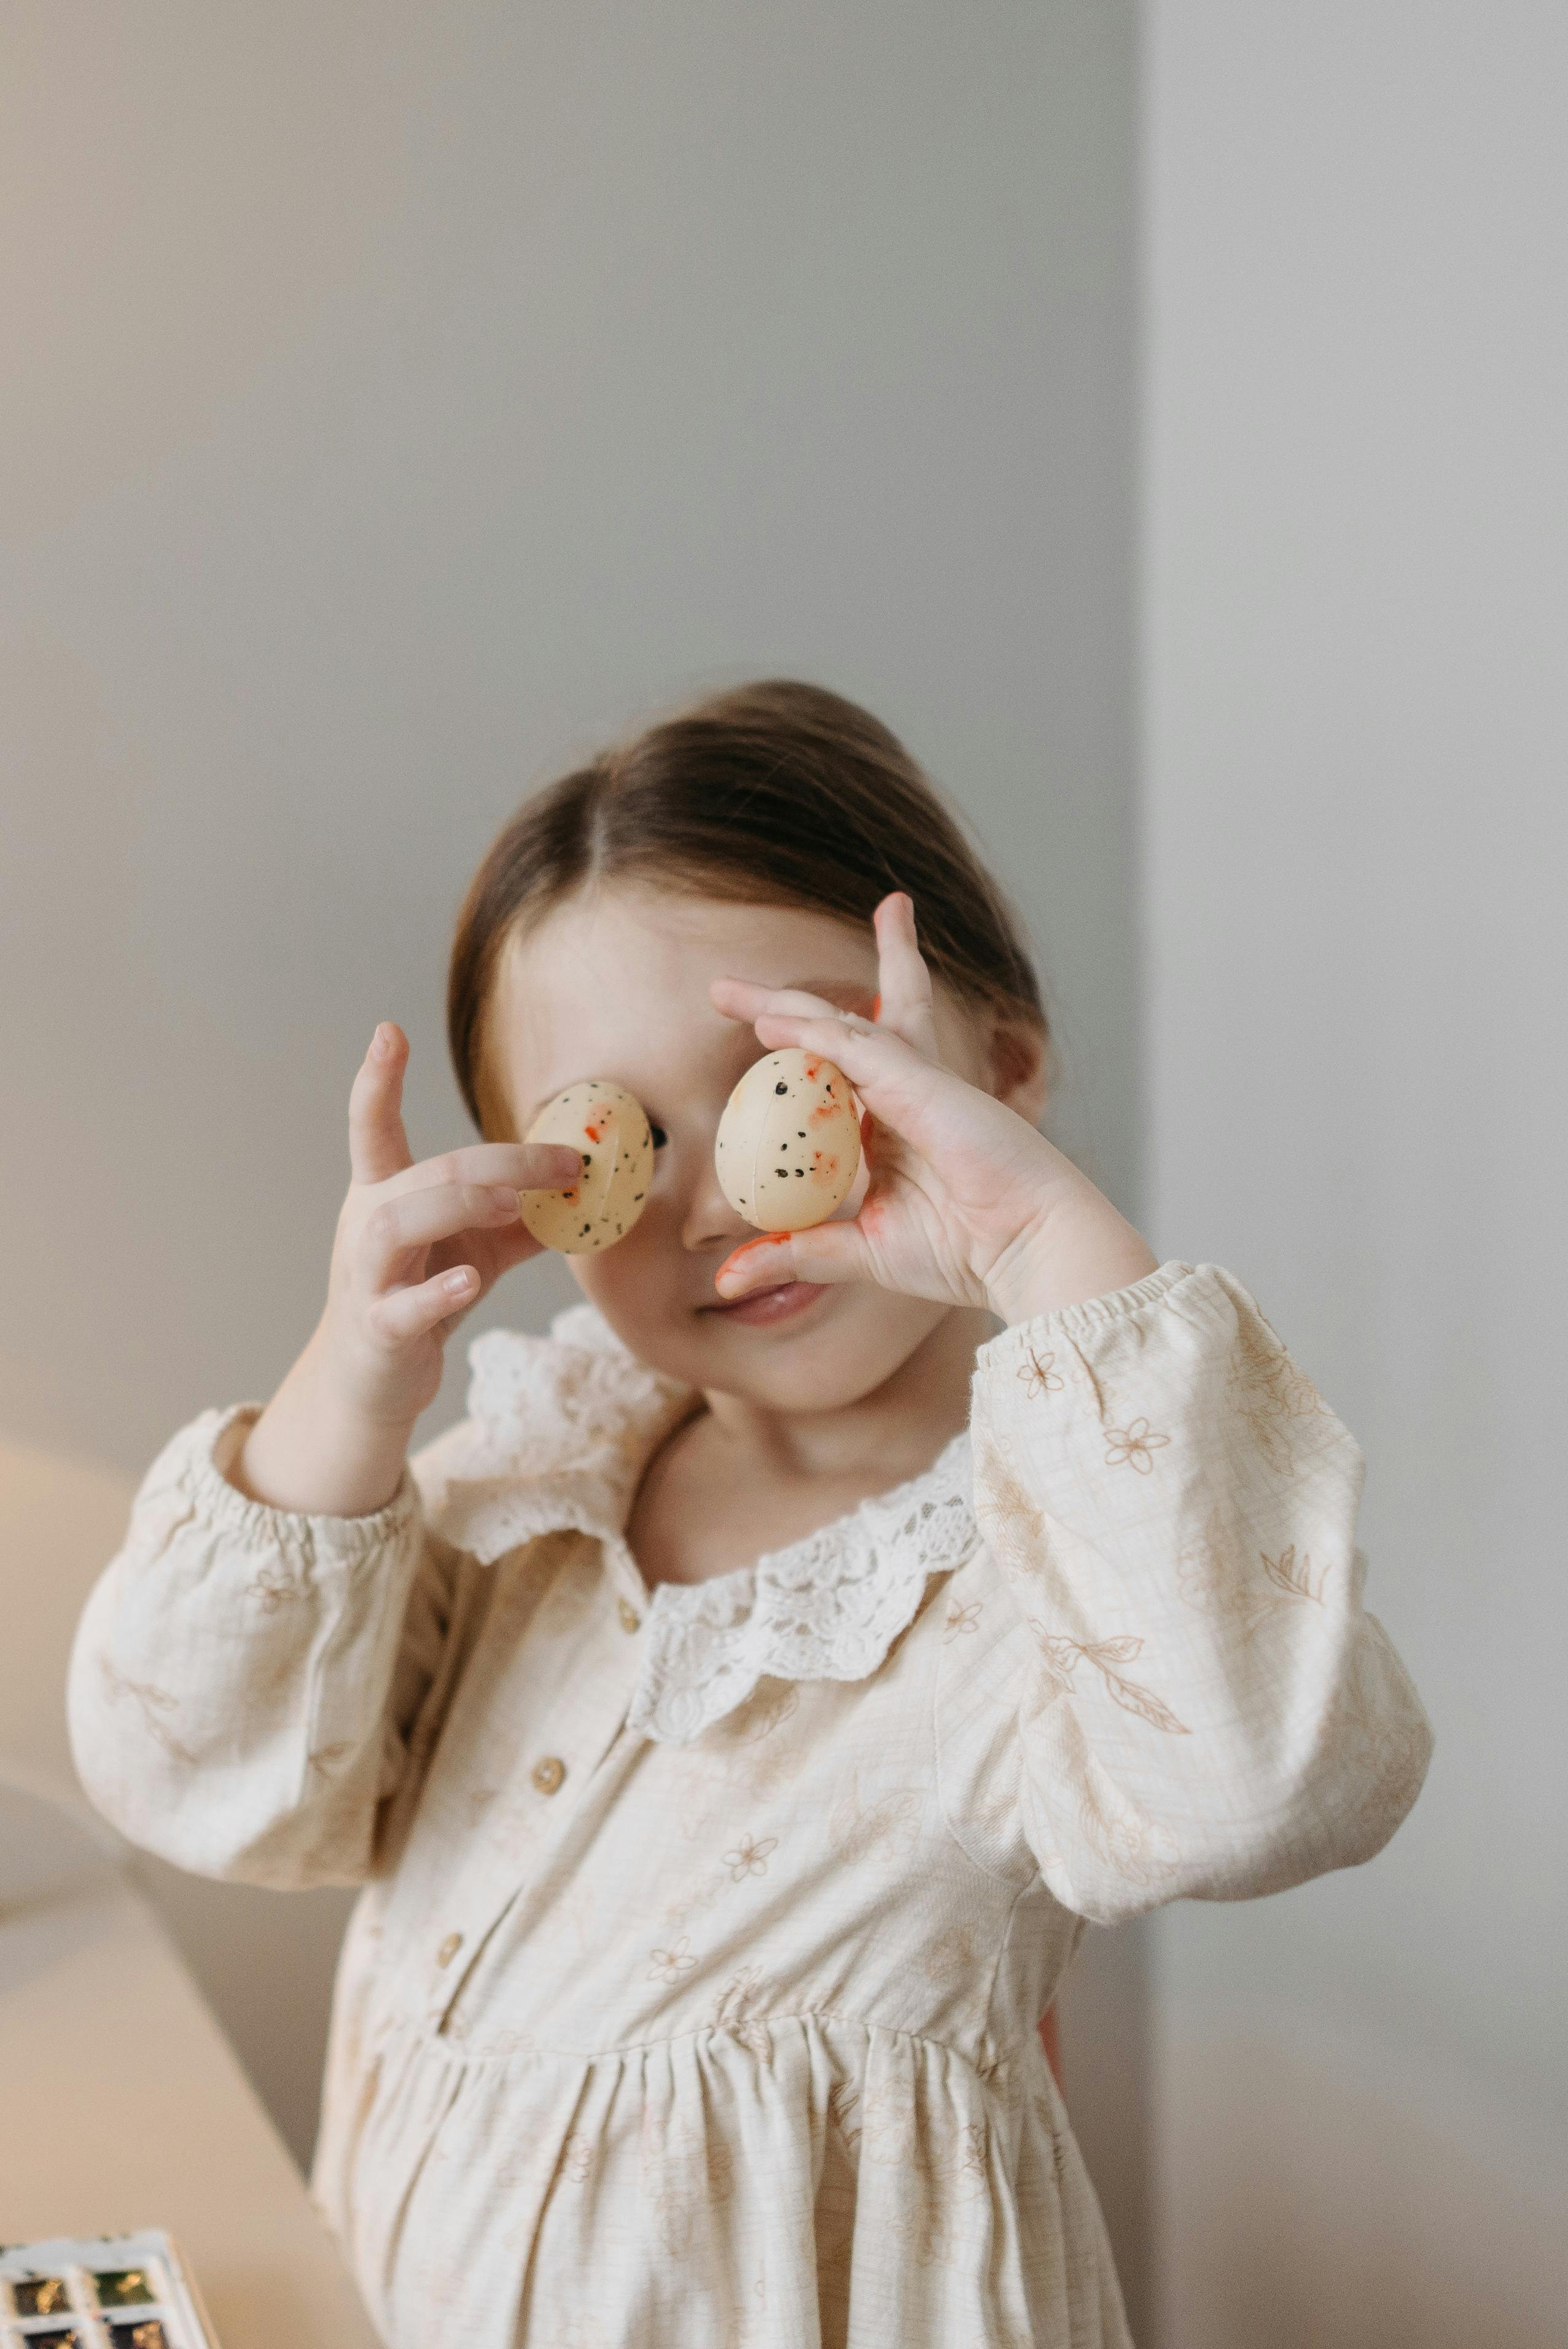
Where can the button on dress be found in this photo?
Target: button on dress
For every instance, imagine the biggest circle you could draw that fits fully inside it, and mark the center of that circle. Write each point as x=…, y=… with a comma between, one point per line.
x=691, y=1995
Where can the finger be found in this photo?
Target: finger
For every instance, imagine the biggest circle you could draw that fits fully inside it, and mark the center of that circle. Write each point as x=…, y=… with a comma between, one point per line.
x=405, y=1313
x=828, y=1253
x=520, y=1165
x=495, y=1252
x=548, y=1166
x=378, y=1145
x=743, y=999
x=890, y=1074
x=963, y=1135
x=914, y=1100
x=417, y=1219
x=907, y=1006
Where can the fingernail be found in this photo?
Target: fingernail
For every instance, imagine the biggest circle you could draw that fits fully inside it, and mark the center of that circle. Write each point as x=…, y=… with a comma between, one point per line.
x=381, y=1042
x=504, y=1196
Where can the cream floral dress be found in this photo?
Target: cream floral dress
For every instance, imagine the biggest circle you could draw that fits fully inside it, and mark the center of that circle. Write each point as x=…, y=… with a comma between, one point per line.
x=691, y=1998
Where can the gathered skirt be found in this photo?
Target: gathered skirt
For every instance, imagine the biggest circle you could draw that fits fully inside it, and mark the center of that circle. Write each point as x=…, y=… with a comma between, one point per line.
x=799, y=2181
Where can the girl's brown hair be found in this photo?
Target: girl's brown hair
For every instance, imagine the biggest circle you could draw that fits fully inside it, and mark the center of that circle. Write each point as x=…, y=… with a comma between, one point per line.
x=775, y=793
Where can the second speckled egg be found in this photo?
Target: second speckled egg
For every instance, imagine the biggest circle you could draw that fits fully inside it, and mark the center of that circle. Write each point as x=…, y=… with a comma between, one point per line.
x=789, y=1144
x=607, y=1125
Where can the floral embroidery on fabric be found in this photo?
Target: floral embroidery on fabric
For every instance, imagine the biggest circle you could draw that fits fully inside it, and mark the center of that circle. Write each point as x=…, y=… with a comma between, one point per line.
x=952, y=1955
x=1268, y=1392
x=889, y=2130
x=946, y=2173
x=668, y=1965
x=1123, y=1835
x=1039, y=1377
x=749, y=1858
x=1062, y=1657
x=885, y=1828
x=738, y=2009
x=271, y=1588
x=1132, y=1447
x=741, y=1759
x=762, y=1712
x=1295, y=1581
x=576, y=1915
x=155, y=1703
x=961, y=1619
x=843, y=2097
x=683, y=2170
x=697, y=1903
x=1215, y=1576
x=1390, y=1750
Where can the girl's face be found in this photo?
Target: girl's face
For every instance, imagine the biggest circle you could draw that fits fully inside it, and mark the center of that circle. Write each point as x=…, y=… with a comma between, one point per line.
x=615, y=983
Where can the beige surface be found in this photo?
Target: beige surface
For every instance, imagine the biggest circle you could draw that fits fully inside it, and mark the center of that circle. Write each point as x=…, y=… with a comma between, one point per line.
x=60, y=1520
x=124, y=2106
x=265, y=1961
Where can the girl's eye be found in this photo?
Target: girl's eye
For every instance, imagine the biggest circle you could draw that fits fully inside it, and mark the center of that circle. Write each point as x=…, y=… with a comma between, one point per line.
x=660, y=1136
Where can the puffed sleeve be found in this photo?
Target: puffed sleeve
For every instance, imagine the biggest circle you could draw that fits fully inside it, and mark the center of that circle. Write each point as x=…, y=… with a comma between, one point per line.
x=1183, y=1694
x=243, y=1679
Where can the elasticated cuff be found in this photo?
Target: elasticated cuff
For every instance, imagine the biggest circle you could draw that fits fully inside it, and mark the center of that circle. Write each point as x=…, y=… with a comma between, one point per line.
x=213, y=1441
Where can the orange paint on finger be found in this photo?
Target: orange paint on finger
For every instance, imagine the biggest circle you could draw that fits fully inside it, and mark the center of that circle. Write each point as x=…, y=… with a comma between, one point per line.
x=736, y=1261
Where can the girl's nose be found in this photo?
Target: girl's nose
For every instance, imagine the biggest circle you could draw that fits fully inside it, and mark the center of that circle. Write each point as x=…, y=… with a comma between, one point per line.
x=708, y=1216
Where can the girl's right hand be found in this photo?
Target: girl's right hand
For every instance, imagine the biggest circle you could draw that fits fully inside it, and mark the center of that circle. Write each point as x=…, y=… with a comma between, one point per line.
x=416, y=1247
x=417, y=1244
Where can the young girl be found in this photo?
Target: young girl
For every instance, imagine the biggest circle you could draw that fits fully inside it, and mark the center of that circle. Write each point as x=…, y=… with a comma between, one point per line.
x=734, y=1719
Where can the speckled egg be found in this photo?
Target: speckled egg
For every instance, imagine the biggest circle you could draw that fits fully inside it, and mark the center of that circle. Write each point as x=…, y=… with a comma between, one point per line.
x=789, y=1144
x=606, y=1123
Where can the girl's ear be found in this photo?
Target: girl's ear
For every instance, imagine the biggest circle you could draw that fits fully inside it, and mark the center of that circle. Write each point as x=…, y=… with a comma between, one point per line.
x=1018, y=1066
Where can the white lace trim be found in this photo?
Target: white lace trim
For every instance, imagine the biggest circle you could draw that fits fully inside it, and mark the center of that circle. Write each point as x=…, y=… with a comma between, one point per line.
x=828, y=1608
x=557, y=1433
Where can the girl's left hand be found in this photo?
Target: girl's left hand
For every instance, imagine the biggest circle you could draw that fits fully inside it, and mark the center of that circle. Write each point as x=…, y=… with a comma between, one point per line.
x=967, y=1203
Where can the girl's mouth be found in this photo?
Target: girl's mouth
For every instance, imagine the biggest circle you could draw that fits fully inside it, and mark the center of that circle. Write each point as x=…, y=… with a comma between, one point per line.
x=764, y=1307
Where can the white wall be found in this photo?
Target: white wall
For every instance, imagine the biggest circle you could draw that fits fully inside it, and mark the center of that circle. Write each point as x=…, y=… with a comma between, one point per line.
x=408, y=396
x=1356, y=735
x=404, y=396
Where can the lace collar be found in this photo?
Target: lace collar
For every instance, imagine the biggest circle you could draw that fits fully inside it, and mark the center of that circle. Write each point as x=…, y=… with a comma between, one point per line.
x=558, y=1430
